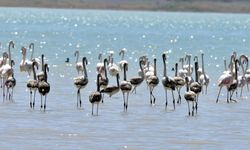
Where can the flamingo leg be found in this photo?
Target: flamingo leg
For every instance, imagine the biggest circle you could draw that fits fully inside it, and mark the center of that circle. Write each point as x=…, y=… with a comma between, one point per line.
x=192, y=108
x=44, y=107
x=241, y=91
x=231, y=95
x=150, y=95
x=97, y=105
x=218, y=95
x=166, y=96
x=80, y=98
x=41, y=102
x=179, y=95
x=196, y=103
x=92, y=108
x=102, y=97
x=77, y=98
x=34, y=99
x=173, y=98
x=30, y=98
x=124, y=104
x=3, y=90
x=188, y=109
x=127, y=102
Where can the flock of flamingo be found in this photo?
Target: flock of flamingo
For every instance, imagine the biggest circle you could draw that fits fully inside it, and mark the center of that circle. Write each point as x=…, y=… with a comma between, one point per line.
x=147, y=72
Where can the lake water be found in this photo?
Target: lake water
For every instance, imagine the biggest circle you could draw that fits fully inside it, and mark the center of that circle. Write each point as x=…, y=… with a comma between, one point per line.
x=57, y=33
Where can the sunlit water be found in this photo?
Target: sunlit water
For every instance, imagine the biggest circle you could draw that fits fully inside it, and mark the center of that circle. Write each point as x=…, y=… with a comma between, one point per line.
x=58, y=33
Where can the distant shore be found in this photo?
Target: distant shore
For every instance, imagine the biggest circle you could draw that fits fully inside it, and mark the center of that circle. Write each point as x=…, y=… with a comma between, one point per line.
x=230, y=6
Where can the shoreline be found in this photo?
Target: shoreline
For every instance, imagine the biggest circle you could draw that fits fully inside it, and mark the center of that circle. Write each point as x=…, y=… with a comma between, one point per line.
x=167, y=6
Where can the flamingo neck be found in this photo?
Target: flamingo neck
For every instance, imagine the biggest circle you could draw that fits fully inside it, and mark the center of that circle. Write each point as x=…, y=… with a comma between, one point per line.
x=176, y=69
x=34, y=72
x=98, y=82
x=202, y=61
x=84, y=68
x=117, y=80
x=142, y=72
x=155, y=73
x=196, y=71
x=164, y=67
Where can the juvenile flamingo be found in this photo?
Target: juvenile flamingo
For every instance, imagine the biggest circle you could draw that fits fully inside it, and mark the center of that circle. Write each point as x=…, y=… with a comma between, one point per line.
x=136, y=81
x=167, y=82
x=32, y=84
x=96, y=96
x=190, y=96
x=81, y=81
x=125, y=87
x=152, y=82
x=44, y=87
x=10, y=83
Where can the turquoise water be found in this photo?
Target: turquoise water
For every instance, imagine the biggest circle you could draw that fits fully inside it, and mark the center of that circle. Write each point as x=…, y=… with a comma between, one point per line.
x=57, y=33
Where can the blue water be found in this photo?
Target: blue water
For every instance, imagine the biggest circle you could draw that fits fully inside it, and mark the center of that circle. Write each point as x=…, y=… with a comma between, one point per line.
x=57, y=33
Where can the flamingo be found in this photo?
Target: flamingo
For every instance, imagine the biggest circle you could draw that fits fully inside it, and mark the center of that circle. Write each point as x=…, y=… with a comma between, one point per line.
x=203, y=77
x=190, y=96
x=81, y=81
x=152, y=82
x=3, y=61
x=44, y=87
x=112, y=89
x=123, y=61
x=104, y=81
x=125, y=87
x=167, y=82
x=25, y=65
x=79, y=65
x=182, y=72
x=32, y=84
x=6, y=70
x=179, y=83
x=136, y=81
x=196, y=86
x=233, y=86
x=189, y=68
x=100, y=65
x=96, y=96
x=242, y=80
x=113, y=68
x=10, y=83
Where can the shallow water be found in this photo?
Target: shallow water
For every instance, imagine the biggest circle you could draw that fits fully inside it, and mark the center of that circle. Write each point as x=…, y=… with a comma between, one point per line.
x=58, y=33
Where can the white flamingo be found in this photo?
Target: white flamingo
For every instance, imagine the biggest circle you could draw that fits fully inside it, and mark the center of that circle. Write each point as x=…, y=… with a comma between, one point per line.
x=25, y=65
x=100, y=65
x=123, y=61
x=6, y=70
x=79, y=65
x=182, y=72
x=225, y=80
